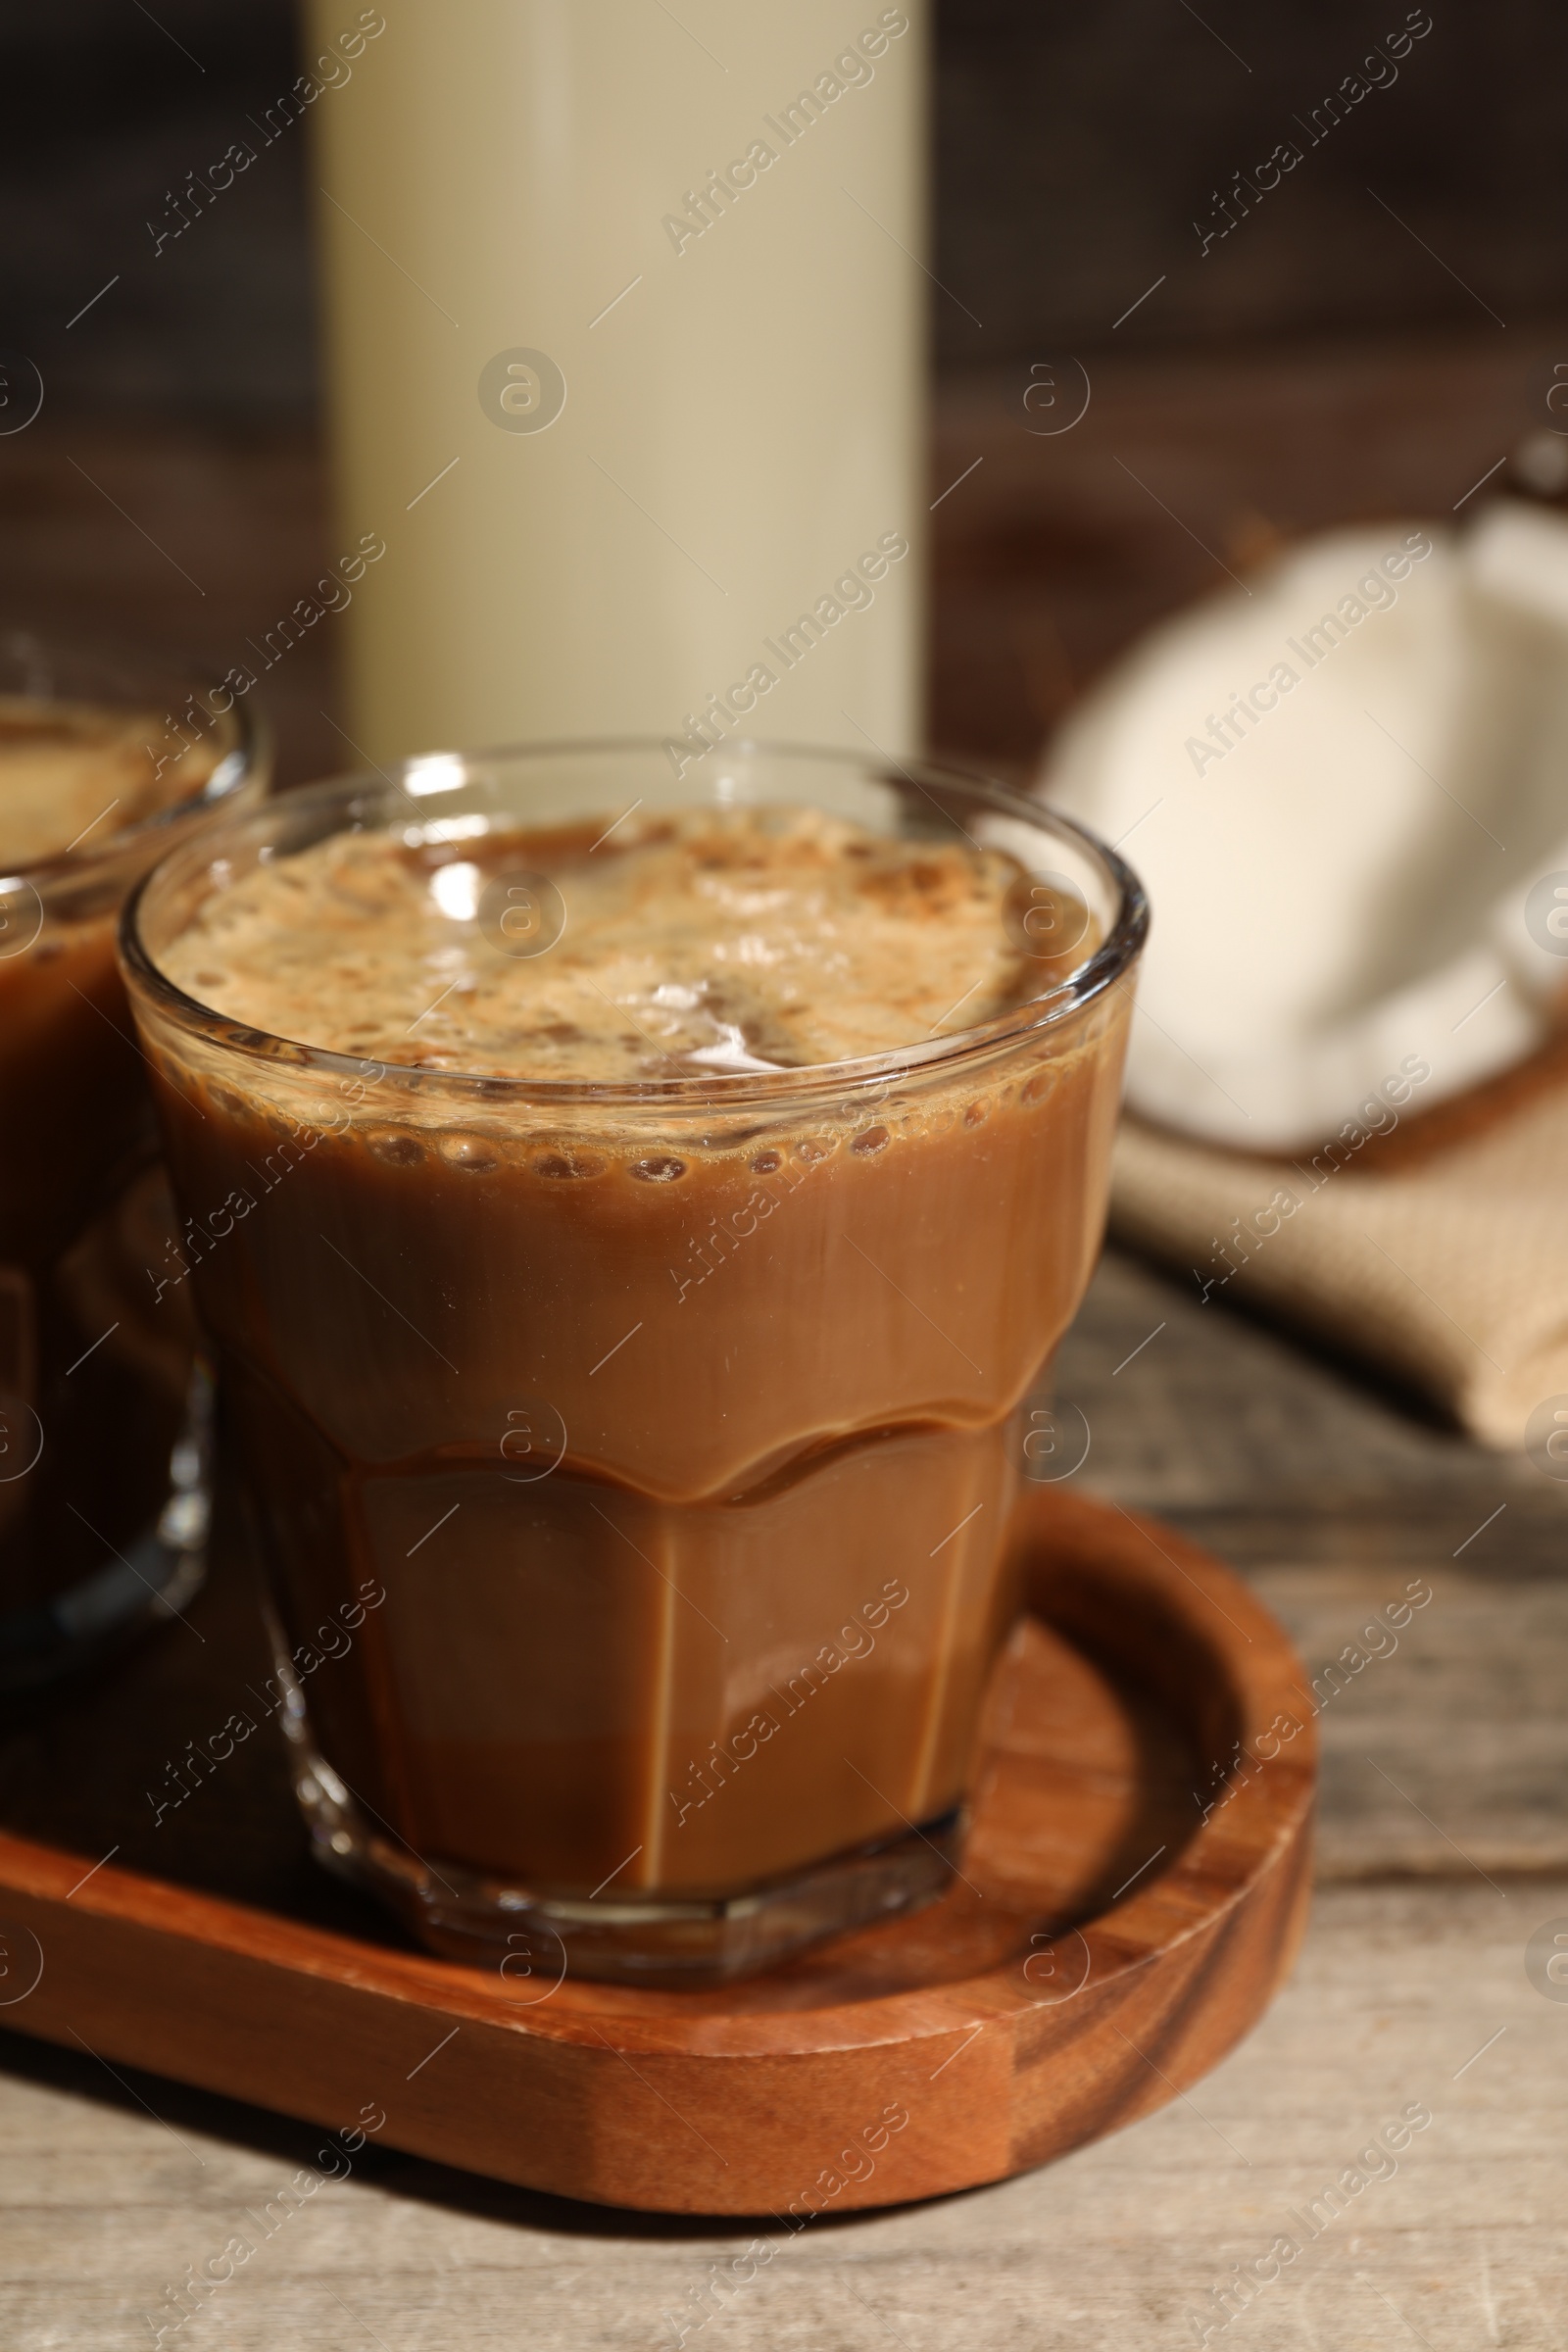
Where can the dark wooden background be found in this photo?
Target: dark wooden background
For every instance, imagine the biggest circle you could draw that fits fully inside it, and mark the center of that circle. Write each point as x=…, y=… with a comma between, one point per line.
x=1074, y=147
x=1330, y=360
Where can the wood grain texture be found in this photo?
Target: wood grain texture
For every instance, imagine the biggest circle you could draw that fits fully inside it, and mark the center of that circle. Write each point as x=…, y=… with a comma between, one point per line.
x=1446, y=1753
x=1134, y=1891
x=1107, y=2250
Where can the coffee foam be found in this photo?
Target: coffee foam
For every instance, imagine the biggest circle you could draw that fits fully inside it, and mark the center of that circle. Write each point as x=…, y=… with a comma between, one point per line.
x=70, y=769
x=702, y=940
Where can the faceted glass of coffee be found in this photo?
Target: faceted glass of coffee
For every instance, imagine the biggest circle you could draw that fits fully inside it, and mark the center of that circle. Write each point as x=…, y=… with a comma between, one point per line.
x=632, y=1454
x=103, y=766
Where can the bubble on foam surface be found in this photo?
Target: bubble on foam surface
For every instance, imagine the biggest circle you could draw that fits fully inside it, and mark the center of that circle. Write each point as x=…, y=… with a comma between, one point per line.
x=658, y=1169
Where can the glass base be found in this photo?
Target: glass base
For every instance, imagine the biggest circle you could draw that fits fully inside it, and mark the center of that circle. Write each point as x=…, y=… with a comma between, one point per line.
x=535, y=1941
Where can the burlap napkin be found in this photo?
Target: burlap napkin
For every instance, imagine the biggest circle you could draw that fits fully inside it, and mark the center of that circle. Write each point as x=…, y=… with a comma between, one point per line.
x=1441, y=1256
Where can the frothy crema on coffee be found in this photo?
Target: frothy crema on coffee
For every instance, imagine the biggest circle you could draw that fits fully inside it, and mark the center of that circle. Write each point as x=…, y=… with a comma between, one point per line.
x=695, y=943
x=74, y=772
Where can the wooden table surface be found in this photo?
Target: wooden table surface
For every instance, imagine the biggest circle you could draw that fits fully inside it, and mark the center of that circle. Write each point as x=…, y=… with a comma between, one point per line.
x=1444, y=1851
x=1444, y=1847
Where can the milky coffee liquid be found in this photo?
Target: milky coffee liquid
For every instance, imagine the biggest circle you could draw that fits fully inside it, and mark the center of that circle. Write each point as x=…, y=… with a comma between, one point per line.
x=83, y=1439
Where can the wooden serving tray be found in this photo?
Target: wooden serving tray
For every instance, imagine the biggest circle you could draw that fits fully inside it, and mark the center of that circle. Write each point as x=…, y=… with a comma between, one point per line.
x=1132, y=1893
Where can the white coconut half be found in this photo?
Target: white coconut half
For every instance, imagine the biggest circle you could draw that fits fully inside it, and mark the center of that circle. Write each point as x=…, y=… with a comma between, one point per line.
x=1341, y=785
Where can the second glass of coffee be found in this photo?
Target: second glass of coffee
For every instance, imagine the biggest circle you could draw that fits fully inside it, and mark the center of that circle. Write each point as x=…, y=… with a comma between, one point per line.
x=103, y=1499
x=639, y=1208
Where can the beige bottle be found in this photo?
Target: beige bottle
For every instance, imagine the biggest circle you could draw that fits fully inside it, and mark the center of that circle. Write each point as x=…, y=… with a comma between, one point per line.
x=625, y=324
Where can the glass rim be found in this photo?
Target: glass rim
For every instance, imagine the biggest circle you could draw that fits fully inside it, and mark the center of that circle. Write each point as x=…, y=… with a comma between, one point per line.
x=713, y=1089
x=244, y=757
